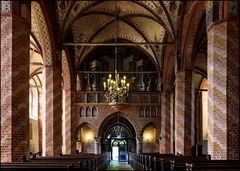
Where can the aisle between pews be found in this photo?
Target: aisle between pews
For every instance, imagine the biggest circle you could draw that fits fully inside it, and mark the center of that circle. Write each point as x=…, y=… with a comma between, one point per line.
x=115, y=165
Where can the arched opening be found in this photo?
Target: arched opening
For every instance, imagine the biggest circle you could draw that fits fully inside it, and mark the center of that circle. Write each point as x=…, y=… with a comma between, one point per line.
x=85, y=139
x=137, y=66
x=150, y=142
x=35, y=98
x=42, y=44
x=33, y=115
x=118, y=136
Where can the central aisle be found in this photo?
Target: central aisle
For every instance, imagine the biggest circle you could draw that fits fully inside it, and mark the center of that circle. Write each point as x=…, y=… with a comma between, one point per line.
x=115, y=165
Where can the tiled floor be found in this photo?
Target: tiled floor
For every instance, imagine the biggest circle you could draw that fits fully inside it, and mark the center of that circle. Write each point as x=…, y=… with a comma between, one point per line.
x=115, y=165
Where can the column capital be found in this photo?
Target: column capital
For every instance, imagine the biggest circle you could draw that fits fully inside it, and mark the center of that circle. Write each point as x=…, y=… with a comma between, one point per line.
x=97, y=139
x=139, y=139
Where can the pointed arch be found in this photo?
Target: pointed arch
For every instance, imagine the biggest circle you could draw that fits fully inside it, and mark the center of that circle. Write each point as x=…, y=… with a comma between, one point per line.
x=82, y=111
x=147, y=111
x=94, y=112
x=41, y=32
x=153, y=111
x=51, y=81
x=84, y=136
x=88, y=112
x=151, y=124
x=66, y=70
x=112, y=120
x=67, y=103
x=189, y=34
x=141, y=111
x=84, y=124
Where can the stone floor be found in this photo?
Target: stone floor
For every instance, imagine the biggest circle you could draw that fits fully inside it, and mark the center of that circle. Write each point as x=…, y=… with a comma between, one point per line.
x=115, y=165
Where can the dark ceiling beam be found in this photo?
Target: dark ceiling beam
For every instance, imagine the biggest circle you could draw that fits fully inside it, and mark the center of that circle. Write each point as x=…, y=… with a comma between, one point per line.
x=116, y=44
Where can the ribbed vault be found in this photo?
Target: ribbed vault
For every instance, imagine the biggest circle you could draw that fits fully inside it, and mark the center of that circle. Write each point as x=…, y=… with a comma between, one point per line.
x=138, y=22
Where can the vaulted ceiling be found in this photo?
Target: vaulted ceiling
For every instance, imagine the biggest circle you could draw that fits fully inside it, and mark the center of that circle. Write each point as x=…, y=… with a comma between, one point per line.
x=142, y=22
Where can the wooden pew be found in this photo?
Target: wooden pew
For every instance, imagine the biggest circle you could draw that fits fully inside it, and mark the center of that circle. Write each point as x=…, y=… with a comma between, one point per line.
x=212, y=165
x=180, y=163
x=61, y=163
x=37, y=167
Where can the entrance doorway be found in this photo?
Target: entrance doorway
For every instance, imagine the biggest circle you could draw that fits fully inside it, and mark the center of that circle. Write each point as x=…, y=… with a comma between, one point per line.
x=118, y=137
x=119, y=149
x=115, y=152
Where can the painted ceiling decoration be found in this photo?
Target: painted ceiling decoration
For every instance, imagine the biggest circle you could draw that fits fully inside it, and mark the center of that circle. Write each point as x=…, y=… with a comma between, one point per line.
x=139, y=22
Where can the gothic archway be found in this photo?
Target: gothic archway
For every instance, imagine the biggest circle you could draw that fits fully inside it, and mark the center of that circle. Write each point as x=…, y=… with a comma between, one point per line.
x=117, y=131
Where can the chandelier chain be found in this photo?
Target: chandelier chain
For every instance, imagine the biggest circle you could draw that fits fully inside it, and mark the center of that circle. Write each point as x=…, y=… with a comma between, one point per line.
x=116, y=89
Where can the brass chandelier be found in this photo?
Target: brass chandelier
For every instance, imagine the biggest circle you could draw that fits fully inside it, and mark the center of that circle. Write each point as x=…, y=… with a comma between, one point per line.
x=116, y=89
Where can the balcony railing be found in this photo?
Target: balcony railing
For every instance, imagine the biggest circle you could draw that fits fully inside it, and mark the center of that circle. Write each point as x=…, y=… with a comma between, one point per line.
x=133, y=97
x=139, y=81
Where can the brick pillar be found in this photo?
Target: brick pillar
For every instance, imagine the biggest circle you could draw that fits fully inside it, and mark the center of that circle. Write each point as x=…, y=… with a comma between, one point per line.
x=223, y=90
x=97, y=145
x=40, y=120
x=184, y=113
x=139, y=145
x=15, y=33
x=52, y=112
x=74, y=125
x=165, y=142
x=67, y=112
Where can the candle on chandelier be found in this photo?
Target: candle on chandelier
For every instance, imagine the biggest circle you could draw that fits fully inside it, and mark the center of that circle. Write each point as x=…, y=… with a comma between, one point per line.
x=127, y=86
x=104, y=85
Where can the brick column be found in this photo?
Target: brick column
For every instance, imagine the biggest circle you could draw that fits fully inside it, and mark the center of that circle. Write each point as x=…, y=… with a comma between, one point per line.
x=184, y=113
x=223, y=90
x=165, y=142
x=139, y=145
x=15, y=33
x=67, y=113
x=97, y=145
x=40, y=120
x=52, y=112
x=74, y=124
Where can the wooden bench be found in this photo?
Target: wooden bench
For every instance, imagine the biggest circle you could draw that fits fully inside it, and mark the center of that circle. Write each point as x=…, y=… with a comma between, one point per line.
x=180, y=163
x=61, y=163
x=37, y=167
x=221, y=165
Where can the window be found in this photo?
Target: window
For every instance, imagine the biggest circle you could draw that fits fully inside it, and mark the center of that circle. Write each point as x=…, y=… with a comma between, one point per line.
x=147, y=112
x=94, y=112
x=82, y=112
x=88, y=112
x=153, y=112
x=141, y=112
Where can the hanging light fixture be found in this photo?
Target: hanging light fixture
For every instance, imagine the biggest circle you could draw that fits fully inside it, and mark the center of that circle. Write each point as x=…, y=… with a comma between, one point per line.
x=116, y=88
